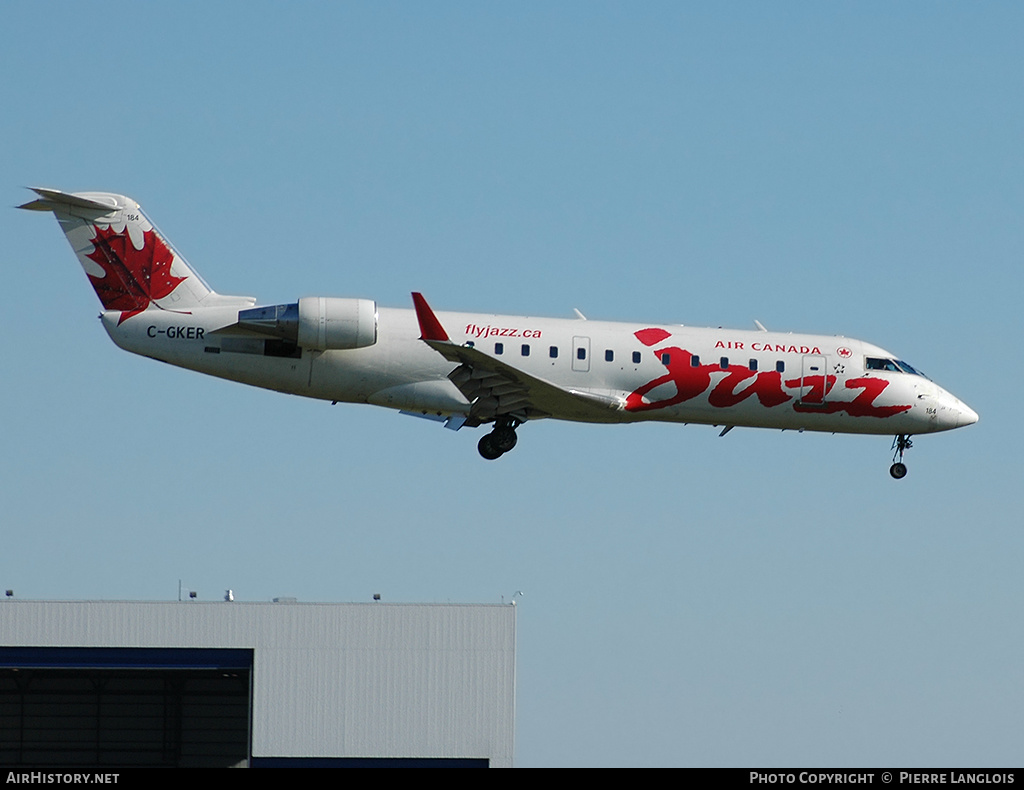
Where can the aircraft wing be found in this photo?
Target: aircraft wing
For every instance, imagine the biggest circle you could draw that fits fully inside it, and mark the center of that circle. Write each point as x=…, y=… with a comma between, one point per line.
x=496, y=389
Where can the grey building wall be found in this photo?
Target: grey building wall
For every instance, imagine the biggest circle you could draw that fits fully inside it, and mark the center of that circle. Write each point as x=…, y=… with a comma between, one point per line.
x=329, y=680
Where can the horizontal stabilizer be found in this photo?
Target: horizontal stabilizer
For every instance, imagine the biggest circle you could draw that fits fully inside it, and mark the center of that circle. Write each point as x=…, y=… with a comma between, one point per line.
x=54, y=200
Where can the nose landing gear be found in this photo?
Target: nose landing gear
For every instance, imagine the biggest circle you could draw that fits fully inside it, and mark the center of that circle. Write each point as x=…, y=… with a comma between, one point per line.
x=500, y=440
x=900, y=445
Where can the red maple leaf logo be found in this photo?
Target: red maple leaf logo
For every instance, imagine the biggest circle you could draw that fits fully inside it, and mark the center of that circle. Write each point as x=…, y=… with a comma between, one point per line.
x=132, y=279
x=651, y=336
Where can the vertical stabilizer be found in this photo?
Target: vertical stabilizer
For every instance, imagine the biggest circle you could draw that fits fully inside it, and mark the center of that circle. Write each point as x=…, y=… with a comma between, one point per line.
x=130, y=264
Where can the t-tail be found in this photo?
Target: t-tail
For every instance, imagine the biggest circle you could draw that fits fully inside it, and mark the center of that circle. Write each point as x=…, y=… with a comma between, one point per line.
x=129, y=262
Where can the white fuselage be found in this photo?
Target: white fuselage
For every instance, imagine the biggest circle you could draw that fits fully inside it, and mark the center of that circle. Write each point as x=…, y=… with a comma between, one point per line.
x=470, y=369
x=665, y=373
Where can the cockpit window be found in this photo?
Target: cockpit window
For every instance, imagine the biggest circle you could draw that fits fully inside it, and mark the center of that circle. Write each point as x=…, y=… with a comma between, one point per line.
x=874, y=363
x=891, y=365
x=905, y=367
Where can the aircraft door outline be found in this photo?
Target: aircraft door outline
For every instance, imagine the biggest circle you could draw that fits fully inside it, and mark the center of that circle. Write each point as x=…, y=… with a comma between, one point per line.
x=814, y=380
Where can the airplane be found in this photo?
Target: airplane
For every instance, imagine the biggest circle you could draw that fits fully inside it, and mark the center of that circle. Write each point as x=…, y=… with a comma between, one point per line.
x=469, y=369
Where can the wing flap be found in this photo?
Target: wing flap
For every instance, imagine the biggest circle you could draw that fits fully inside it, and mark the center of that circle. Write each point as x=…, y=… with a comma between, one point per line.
x=495, y=389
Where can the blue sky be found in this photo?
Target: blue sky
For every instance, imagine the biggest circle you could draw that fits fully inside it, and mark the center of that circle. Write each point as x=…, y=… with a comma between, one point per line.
x=760, y=599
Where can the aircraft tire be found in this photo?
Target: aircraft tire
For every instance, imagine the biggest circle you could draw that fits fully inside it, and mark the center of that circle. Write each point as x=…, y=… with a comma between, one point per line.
x=504, y=439
x=488, y=448
x=898, y=470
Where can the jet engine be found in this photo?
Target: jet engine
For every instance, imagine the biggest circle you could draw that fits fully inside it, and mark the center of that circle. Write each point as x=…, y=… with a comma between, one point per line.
x=316, y=322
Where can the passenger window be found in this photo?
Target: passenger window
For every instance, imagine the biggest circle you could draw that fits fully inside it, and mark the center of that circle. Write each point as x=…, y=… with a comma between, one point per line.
x=609, y=355
x=636, y=357
x=581, y=353
x=666, y=358
x=553, y=352
x=723, y=363
x=526, y=350
x=753, y=364
x=694, y=361
x=780, y=366
x=499, y=348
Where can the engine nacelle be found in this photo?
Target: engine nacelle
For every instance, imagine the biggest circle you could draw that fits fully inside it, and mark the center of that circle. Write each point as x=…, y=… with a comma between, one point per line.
x=337, y=323
x=316, y=322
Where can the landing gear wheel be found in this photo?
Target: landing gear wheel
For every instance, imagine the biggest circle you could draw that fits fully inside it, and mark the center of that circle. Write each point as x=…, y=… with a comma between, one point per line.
x=504, y=438
x=488, y=447
x=900, y=445
x=500, y=440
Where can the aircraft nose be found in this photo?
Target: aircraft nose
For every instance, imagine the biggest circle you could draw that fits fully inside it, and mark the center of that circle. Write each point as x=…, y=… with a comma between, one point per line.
x=953, y=412
x=968, y=416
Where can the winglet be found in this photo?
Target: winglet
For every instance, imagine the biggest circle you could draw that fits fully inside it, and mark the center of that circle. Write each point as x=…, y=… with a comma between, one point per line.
x=430, y=327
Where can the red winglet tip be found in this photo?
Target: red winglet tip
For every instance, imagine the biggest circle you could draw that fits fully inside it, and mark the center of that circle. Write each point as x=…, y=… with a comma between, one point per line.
x=430, y=327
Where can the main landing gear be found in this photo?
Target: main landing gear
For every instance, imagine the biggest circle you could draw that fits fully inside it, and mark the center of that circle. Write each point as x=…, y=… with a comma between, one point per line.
x=900, y=445
x=500, y=440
